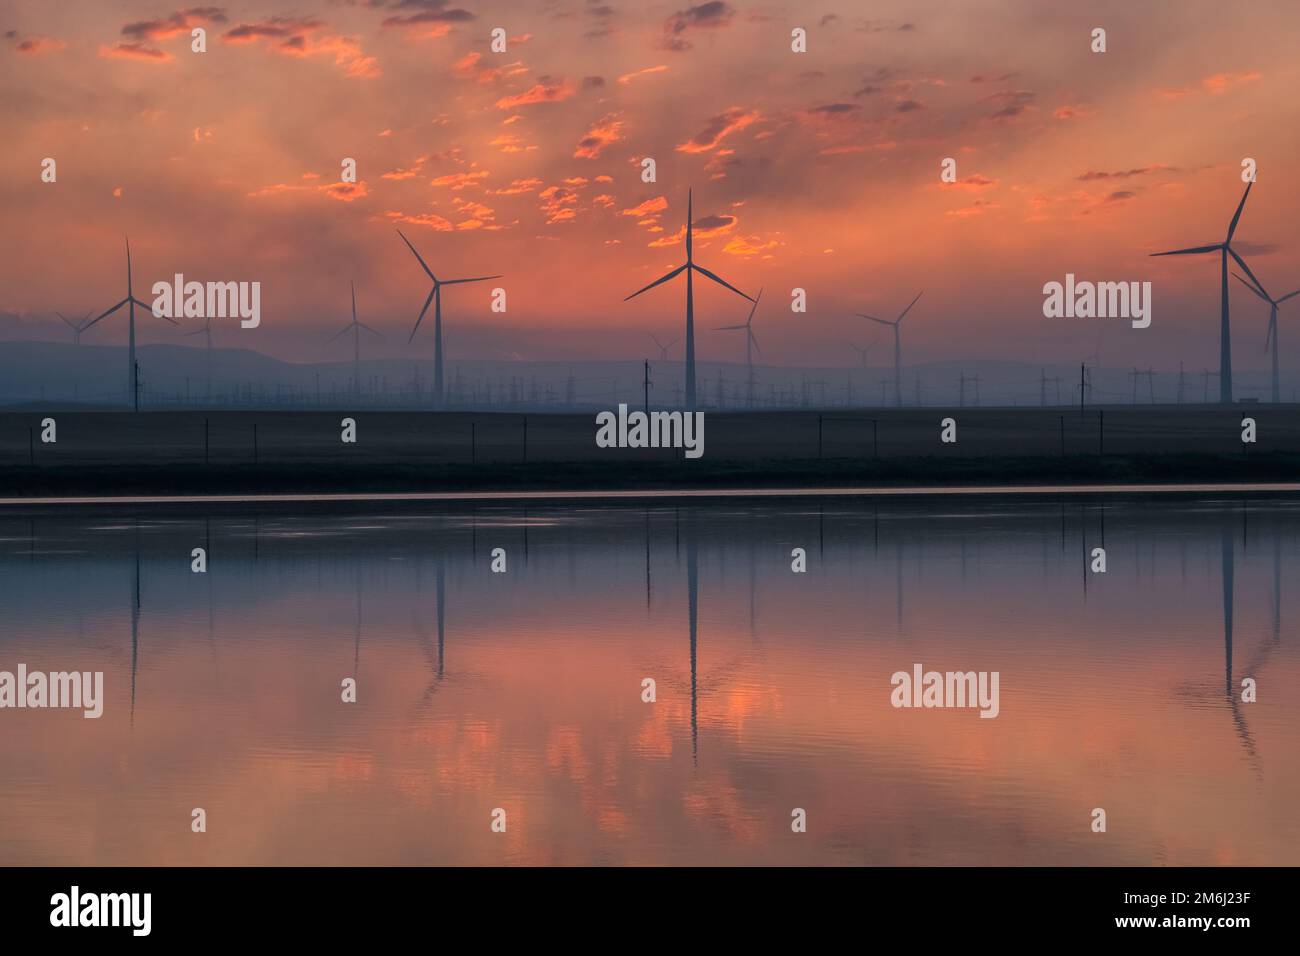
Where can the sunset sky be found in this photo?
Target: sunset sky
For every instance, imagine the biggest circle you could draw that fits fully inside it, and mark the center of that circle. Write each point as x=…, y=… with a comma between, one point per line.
x=818, y=170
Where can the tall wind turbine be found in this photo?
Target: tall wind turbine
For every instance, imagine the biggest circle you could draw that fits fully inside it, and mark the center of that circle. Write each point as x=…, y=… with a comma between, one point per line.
x=1271, y=338
x=663, y=349
x=206, y=332
x=898, y=349
x=689, y=267
x=751, y=343
x=133, y=370
x=77, y=327
x=1225, y=338
x=355, y=328
x=435, y=296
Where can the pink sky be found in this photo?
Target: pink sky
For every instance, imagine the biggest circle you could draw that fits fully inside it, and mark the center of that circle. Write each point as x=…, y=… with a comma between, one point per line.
x=818, y=170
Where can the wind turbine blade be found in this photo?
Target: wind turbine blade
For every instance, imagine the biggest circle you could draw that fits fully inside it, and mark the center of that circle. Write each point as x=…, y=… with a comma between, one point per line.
x=1242, y=262
x=909, y=306
x=754, y=339
x=66, y=321
x=149, y=309
x=676, y=340
x=370, y=330
x=750, y=320
x=722, y=282
x=106, y=314
x=196, y=332
x=672, y=275
x=347, y=328
x=872, y=318
x=458, y=281
x=656, y=341
x=1232, y=227
x=725, y=328
x=420, y=318
x=1257, y=292
x=427, y=270
x=1192, y=251
x=1287, y=296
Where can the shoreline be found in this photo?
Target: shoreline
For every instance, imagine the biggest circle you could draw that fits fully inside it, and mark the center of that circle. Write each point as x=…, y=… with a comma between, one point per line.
x=1193, y=489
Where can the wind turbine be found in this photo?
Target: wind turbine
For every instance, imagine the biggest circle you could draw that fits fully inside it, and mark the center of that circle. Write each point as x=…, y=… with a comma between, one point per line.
x=862, y=350
x=355, y=328
x=1271, y=338
x=1225, y=338
x=663, y=349
x=206, y=332
x=751, y=343
x=77, y=328
x=689, y=267
x=133, y=370
x=435, y=296
x=898, y=350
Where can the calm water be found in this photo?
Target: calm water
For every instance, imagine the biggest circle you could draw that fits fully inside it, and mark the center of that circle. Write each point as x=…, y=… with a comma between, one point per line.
x=522, y=690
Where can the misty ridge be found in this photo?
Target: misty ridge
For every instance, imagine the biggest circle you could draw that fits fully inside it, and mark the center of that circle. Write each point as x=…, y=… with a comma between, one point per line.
x=176, y=375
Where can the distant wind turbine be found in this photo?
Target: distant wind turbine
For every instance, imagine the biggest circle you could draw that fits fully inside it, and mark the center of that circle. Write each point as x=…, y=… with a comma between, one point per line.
x=1225, y=337
x=133, y=369
x=435, y=296
x=1271, y=338
x=663, y=349
x=689, y=267
x=898, y=349
x=77, y=327
x=862, y=350
x=751, y=343
x=355, y=328
x=206, y=332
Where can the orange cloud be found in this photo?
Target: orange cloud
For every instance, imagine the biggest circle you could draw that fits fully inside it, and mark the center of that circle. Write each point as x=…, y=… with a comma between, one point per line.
x=518, y=186
x=432, y=220
x=409, y=172
x=746, y=246
x=541, y=92
x=345, y=192
x=1219, y=82
x=301, y=37
x=558, y=204
x=651, y=207
x=627, y=78
x=604, y=133
x=458, y=181
x=719, y=128
x=135, y=51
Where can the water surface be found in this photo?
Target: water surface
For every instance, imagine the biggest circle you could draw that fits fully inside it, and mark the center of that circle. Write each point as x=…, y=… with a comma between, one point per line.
x=522, y=690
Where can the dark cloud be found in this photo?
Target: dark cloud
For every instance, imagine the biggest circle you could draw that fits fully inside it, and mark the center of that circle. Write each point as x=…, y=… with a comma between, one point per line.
x=1009, y=103
x=715, y=13
x=1120, y=195
x=713, y=222
x=426, y=11
x=1094, y=175
x=1247, y=248
x=835, y=109
x=908, y=106
x=828, y=19
x=592, y=82
x=182, y=21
